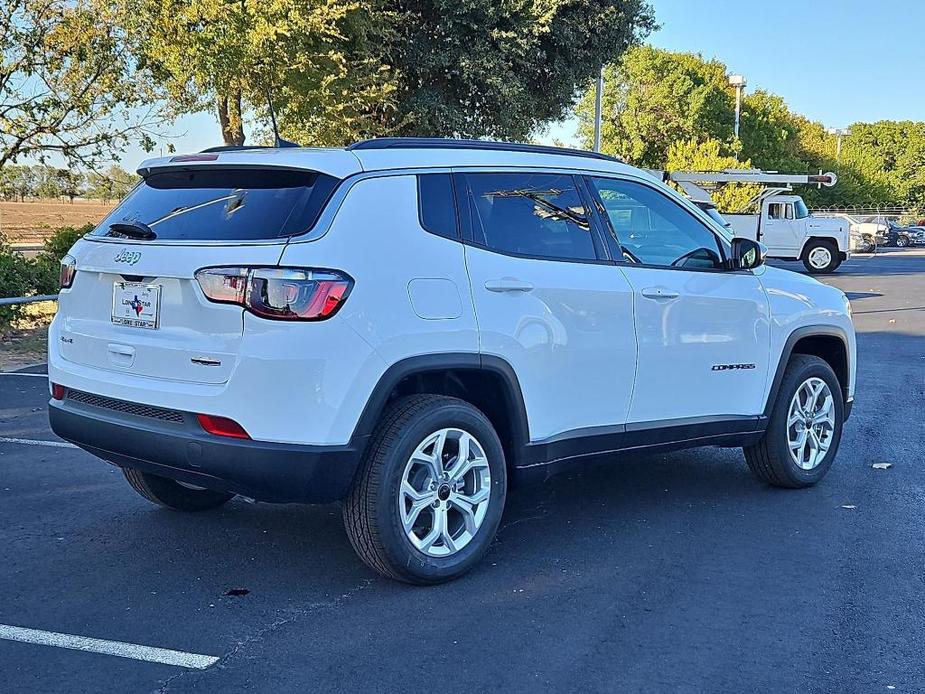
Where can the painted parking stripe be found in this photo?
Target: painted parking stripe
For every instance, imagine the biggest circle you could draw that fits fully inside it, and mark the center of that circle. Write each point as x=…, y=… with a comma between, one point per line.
x=36, y=442
x=118, y=648
x=13, y=373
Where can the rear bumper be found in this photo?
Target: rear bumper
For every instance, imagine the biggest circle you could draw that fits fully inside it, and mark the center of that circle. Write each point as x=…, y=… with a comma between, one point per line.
x=183, y=451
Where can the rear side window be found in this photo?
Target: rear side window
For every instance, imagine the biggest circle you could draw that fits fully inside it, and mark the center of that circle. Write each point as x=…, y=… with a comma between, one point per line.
x=437, y=204
x=223, y=204
x=536, y=215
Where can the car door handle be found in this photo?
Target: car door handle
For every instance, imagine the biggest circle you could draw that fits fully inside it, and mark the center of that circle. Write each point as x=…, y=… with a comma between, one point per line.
x=508, y=284
x=660, y=293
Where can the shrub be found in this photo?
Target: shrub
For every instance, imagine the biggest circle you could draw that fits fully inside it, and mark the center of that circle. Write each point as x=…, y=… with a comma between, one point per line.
x=47, y=263
x=17, y=277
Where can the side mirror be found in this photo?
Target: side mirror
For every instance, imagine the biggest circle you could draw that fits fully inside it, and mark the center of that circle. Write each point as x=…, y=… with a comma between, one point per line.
x=747, y=254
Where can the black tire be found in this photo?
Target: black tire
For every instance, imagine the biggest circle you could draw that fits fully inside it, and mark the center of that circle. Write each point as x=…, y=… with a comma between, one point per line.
x=902, y=241
x=173, y=495
x=835, y=258
x=770, y=459
x=371, y=510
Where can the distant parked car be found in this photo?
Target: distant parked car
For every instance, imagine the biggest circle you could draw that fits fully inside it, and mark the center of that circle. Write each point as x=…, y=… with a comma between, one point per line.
x=900, y=236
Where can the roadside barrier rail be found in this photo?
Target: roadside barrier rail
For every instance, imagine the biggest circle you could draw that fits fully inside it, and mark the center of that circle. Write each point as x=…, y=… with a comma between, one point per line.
x=14, y=300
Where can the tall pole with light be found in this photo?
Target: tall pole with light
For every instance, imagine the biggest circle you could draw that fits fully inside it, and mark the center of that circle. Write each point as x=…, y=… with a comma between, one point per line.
x=839, y=133
x=598, y=108
x=737, y=81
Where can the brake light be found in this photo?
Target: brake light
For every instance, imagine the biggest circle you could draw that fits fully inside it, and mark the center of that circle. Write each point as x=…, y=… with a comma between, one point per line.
x=67, y=272
x=278, y=293
x=57, y=391
x=222, y=426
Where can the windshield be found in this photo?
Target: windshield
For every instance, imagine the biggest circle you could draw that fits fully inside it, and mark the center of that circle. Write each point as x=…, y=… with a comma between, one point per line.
x=799, y=208
x=220, y=205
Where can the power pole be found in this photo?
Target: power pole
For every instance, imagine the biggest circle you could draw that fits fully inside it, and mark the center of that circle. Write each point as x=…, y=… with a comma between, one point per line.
x=598, y=107
x=839, y=133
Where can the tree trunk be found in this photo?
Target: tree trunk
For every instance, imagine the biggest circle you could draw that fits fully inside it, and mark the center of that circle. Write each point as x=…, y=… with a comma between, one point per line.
x=229, y=118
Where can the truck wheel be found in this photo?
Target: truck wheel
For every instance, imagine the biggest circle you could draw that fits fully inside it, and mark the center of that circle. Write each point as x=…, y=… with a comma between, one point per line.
x=805, y=427
x=175, y=495
x=821, y=257
x=428, y=498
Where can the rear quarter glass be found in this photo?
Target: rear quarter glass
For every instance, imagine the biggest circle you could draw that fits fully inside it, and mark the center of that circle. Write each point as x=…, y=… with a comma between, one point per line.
x=227, y=204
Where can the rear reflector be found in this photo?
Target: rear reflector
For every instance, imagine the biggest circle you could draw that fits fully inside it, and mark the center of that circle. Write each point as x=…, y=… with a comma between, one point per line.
x=222, y=426
x=57, y=391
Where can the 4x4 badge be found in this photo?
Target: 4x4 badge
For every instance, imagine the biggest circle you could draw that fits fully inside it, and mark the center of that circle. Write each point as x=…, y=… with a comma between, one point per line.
x=130, y=257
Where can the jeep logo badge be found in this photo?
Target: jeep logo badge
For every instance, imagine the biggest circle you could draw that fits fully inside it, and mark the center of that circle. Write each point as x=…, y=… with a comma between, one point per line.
x=129, y=257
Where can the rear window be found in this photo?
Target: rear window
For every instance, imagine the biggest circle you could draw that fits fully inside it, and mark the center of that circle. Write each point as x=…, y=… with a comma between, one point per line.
x=222, y=204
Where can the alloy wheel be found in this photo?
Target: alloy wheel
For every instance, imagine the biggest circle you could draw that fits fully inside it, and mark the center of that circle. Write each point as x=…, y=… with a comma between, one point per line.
x=811, y=423
x=445, y=492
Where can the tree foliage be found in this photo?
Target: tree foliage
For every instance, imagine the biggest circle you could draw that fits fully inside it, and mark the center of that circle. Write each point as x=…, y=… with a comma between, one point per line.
x=68, y=83
x=675, y=110
x=691, y=155
x=653, y=98
x=340, y=70
x=227, y=56
x=485, y=68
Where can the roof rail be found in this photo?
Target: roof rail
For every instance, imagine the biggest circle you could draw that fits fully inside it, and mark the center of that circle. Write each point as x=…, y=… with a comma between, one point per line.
x=240, y=148
x=451, y=143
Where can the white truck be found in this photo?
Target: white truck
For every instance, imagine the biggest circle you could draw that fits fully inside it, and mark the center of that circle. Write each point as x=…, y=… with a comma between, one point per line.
x=782, y=222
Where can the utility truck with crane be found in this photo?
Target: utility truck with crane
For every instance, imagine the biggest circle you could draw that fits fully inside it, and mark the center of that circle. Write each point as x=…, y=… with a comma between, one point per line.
x=782, y=221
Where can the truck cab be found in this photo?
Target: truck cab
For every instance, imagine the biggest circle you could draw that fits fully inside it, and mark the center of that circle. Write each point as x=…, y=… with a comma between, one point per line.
x=791, y=232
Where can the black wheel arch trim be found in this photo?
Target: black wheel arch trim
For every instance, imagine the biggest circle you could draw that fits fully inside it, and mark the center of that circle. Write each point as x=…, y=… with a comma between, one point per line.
x=787, y=352
x=447, y=361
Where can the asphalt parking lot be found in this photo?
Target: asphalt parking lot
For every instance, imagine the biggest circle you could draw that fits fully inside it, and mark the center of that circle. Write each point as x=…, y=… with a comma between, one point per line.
x=675, y=572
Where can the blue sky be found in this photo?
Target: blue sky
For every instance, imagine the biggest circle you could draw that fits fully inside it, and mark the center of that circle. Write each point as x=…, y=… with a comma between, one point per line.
x=838, y=62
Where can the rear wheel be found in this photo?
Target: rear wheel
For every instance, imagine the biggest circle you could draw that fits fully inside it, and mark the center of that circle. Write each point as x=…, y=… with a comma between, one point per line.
x=428, y=500
x=902, y=241
x=821, y=257
x=172, y=494
x=804, y=429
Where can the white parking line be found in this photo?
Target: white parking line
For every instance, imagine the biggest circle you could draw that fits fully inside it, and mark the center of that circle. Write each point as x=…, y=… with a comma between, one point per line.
x=13, y=373
x=117, y=648
x=36, y=442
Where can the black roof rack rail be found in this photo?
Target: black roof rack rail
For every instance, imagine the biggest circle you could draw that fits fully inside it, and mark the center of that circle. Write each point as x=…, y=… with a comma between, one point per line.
x=241, y=148
x=451, y=143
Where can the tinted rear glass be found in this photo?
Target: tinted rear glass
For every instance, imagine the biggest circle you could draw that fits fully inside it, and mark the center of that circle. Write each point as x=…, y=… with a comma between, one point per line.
x=224, y=204
x=437, y=204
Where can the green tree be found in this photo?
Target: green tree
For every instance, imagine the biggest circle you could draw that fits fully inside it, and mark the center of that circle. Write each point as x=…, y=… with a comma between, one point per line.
x=483, y=68
x=68, y=83
x=340, y=70
x=114, y=183
x=690, y=155
x=226, y=56
x=654, y=98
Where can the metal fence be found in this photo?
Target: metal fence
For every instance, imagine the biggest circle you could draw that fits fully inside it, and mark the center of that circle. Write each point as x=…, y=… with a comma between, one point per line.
x=15, y=300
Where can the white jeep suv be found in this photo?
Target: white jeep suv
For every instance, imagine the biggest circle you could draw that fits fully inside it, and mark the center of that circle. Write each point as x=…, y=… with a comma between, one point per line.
x=410, y=326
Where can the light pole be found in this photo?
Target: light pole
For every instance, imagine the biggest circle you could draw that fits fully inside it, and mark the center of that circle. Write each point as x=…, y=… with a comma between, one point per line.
x=839, y=133
x=737, y=81
x=598, y=105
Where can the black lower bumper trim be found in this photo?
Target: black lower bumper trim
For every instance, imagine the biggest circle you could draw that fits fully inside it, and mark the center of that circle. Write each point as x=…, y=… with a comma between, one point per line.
x=260, y=470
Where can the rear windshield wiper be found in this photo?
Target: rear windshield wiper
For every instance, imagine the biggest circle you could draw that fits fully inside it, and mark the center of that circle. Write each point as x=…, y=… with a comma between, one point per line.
x=132, y=230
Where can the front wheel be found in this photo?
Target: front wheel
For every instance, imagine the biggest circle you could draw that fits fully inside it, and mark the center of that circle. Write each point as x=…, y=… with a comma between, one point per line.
x=428, y=499
x=821, y=257
x=902, y=241
x=805, y=427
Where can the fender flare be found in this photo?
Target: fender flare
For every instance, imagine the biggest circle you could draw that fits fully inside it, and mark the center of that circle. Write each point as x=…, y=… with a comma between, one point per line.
x=449, y=361
x=794, y=337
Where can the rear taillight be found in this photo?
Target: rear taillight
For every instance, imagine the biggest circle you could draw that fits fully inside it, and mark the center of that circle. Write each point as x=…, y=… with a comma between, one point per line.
x=222, y=426
x=278, y=293
x=68, y=271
